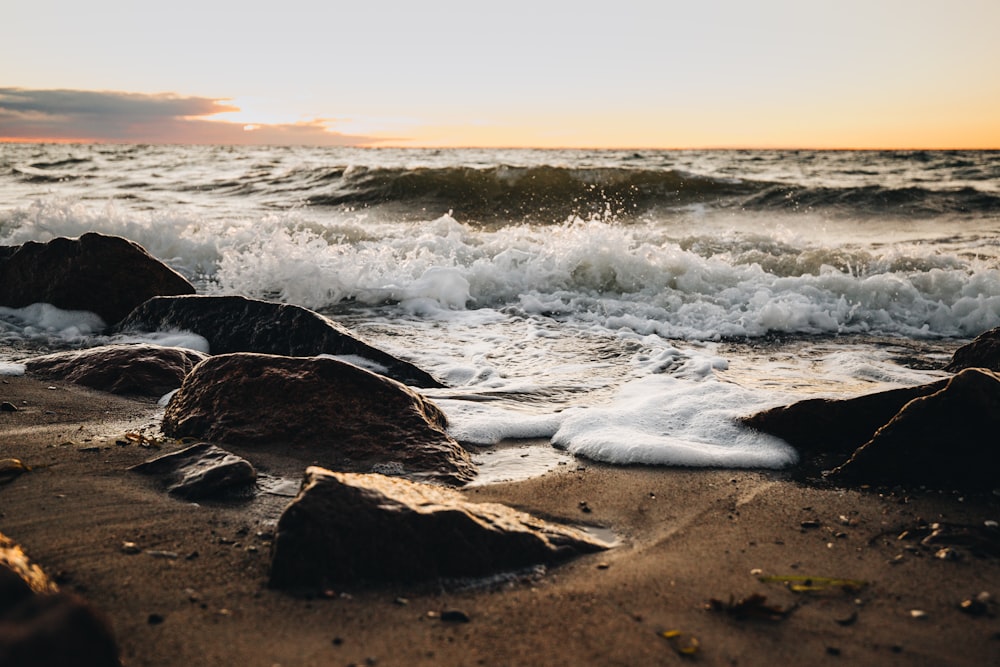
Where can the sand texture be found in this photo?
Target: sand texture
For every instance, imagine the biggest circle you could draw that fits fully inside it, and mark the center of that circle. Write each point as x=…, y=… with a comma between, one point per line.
x=193, y=589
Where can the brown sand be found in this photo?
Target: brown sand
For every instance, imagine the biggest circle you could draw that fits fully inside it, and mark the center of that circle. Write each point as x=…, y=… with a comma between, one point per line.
x=686, y=536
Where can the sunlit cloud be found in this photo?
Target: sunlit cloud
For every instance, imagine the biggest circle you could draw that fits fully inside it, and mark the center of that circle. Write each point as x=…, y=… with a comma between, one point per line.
x=109, y=116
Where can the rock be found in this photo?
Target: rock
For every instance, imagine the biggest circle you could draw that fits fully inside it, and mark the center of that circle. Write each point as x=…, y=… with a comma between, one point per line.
x=39, y=626
x=19, y=577
x=106, y=275
x=944, y=440
x=983, y=352
x=145, y=370
x=238, y=324
x=335, y=413
x=200, y=471
x=827, y=431
x=346, y=528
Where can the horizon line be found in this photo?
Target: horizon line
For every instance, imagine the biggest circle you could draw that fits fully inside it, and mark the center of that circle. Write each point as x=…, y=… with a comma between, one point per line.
x=390, y=146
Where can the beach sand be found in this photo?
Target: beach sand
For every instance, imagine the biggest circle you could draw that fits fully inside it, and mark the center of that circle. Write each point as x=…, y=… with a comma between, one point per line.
x=196, y=593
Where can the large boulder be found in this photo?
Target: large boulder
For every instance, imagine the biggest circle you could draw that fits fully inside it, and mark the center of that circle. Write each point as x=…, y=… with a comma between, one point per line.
x=238, y=324
x=983, y=352
x=106, y=275
x=944, y=440
x=827, y=431
x=200, y=471
x=335, y=413
x=145, y=370
x=40, y=627
x=356, y=529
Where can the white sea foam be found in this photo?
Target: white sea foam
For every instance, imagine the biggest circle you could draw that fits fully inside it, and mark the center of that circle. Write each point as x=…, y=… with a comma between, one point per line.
x=481, y=424
x=183, y=339
x=662, y=420
x=43, y=320
x=724, y=282
x=11, y=368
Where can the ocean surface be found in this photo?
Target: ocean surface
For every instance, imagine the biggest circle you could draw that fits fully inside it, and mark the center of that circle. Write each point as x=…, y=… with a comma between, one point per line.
x=624, y=306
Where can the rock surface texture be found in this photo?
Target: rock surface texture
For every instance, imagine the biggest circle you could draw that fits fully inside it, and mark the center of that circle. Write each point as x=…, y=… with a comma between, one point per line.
x=144, y=370
x=238, y=324
x=200, y=471
x=106, y=275
x=944, y=440
x=346, y=528
x=983, y=352
x=328, y=411
x=829, y=430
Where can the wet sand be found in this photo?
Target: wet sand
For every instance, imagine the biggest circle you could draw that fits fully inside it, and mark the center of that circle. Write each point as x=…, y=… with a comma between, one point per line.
x=196, y=594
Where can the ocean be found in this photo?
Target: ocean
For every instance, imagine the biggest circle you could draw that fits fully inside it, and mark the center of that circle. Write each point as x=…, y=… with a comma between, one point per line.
x=621, y=306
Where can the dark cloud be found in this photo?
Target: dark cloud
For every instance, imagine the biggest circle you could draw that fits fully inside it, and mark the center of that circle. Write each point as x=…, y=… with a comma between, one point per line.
x=83, y=115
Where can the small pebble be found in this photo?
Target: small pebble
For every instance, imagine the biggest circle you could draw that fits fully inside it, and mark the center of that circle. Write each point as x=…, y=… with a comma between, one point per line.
x=918, y=613
x=454, y=616
x=130, y=548
x=8, y=407
x=812, y=523
x=832, y=650
x=155, y=619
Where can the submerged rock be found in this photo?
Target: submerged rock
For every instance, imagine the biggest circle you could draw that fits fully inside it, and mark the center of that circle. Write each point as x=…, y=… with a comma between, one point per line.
x=200, y=471
x=40, y=627
x=145, y=370
x=983, y=352
x=330, y=411
x=346, y=528
x=238, y=324
x=945, y=440
x=106, y=275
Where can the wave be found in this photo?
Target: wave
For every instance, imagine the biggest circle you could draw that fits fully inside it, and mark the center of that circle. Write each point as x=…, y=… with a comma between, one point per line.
x=548, y=193
x=554, y=194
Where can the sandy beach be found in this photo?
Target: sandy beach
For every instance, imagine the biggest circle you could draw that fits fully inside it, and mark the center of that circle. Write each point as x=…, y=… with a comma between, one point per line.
x=196, y=593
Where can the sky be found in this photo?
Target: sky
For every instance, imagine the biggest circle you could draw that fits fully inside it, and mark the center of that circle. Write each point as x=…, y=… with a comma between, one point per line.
x=623, y=74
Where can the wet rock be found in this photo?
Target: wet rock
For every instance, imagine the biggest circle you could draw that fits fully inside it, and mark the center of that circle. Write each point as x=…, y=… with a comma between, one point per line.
x=346, y=528
x=200, y=471
x=944, y=440
x=332, y=412
x=106, y=275
x=144, y=370
x=983, y=352
x=40, y=627
x=827, y=431
x=238, y=324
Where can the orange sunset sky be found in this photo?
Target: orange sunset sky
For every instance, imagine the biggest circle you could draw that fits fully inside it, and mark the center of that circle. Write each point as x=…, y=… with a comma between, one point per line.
x=722, y=73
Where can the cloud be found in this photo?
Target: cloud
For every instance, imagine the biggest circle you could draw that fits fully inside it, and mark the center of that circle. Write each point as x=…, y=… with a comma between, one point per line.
x=83, y=115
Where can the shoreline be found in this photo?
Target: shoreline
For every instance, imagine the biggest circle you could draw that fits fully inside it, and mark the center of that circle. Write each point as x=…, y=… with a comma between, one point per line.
x=197, y=594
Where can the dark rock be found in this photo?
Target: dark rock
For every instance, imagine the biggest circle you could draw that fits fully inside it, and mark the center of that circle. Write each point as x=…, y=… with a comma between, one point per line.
x=335, y=413
x=944, y=440
x=827, y=431
x=454, y=616
x=19, y=577
x=238, y=324
x=200, y=471
x=352, y=528
x=983, y=352
x=7, y=406
x=146, y=370
x=106, y=275
x=40, y=627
